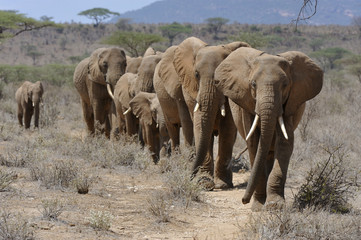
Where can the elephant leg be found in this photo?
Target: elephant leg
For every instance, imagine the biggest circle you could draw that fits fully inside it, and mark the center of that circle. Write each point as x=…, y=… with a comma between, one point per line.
x=131, y=124
x=186, y=123
x=101, y=109
x=277, y=178
x=27, y=117
x=20, y=115
x=173, y=131
x=227, y=138
x=88, y=117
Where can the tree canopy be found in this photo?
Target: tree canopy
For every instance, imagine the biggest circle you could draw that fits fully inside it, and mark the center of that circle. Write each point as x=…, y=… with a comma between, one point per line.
x=13, y=23
x=135, y=43
x=214, y=25
x=172, y=30
x=98, y=14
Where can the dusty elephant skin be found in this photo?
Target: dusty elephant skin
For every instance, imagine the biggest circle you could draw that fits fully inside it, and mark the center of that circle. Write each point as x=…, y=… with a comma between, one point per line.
x=177, y=111
x=195, y=63
x=94, y=78
x=270, y=91
x=28, y=98
x=146, y=107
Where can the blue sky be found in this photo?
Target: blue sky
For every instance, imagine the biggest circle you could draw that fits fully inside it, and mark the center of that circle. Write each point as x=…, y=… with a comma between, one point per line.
x=67, y=10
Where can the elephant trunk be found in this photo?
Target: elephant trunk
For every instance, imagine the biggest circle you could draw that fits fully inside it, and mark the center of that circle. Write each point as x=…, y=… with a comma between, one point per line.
x=268, y=119
x=204, y=118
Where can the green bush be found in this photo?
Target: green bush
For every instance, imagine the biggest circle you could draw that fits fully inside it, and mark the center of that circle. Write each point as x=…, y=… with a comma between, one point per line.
x=55, y=74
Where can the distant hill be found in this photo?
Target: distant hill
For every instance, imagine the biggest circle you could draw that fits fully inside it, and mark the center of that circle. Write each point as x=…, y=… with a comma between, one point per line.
x=338, y=12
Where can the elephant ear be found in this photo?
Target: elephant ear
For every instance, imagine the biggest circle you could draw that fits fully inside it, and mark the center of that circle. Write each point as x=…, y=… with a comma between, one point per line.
x=168, y=75
x=94, y=72
x=140, y=105
x=150, y=51
x=307, y=80
x=184, y=58
x=232, y=77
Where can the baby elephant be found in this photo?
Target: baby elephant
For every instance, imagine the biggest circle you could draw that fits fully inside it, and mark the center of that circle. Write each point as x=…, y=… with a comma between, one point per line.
x=28, y=97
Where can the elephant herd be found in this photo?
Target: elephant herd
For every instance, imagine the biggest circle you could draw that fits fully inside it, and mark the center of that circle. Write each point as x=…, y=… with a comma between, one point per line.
x=204, y=91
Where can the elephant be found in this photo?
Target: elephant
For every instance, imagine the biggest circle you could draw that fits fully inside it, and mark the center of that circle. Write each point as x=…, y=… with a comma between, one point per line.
x=146, y=107
x=195, y=63
x=146, y=72
x=168, y=88
x=270, y=92
x=125, y=90
x=133, y=64
x=94, y=78
x=28, y=97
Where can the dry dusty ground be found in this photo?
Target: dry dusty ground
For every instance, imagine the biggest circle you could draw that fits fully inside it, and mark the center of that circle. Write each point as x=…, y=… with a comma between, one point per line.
x=125, y=193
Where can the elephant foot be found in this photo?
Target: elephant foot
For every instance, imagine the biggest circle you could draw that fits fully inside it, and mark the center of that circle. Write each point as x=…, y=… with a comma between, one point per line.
x=220, y=184
x=257, y=206
x=275, y=203
x=206, y=183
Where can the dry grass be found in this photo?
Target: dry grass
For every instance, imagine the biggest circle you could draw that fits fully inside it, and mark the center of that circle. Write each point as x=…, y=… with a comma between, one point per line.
x=309, y=224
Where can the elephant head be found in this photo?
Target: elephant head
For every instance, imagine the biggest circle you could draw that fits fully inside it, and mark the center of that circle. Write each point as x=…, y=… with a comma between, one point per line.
x=133, y=64
x=106, y=65
x=195, y=63
x=273, y=89
x=35, y=93
x=125, y=90
x=146, y=72
x=146, y=107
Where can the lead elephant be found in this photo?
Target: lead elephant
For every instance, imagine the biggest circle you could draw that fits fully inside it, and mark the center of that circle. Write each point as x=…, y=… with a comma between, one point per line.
x=94, y=78
x=146, y=107
x=169, y=91
x=271, y=91
x=28, y=97
x=195, y=63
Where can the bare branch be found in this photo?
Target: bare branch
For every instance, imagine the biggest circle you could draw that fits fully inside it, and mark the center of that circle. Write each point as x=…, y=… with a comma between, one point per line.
x=308, y=10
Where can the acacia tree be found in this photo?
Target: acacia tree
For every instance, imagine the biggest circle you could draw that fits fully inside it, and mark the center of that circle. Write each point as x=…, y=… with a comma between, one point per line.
x=98, y=15
x=135, y=43
x=172, y=30
x=214, y=25
x=13, y=23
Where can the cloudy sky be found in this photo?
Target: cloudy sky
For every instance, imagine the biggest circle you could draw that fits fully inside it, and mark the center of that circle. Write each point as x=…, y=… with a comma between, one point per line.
x=67, y=10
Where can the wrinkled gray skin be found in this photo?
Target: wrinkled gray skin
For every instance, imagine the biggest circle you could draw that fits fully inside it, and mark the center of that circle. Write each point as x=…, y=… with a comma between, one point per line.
x=28, y=98
x=145, y=106
x=271, y=87
x=91, y=76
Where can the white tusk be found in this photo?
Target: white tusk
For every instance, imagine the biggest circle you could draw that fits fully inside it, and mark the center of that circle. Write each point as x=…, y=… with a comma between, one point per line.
x=110, y=91
x=33, y=104
x=196, y=107
x=283, y=127
x=157, y=125
x=127, y=111
x=223, y=111
x=254, y=125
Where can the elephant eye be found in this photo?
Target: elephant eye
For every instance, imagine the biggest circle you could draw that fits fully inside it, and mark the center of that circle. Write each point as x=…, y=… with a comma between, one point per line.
x=197, y=74
x=253, y=84
x=105, y=64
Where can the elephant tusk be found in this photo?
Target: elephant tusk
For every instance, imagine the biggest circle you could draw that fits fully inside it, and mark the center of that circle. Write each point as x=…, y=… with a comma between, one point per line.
x=223, y=111
x=254, y=125
x=196, y=107
x=157, y=125
x=110, y=91
x=127, y=111
x=283, y=127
